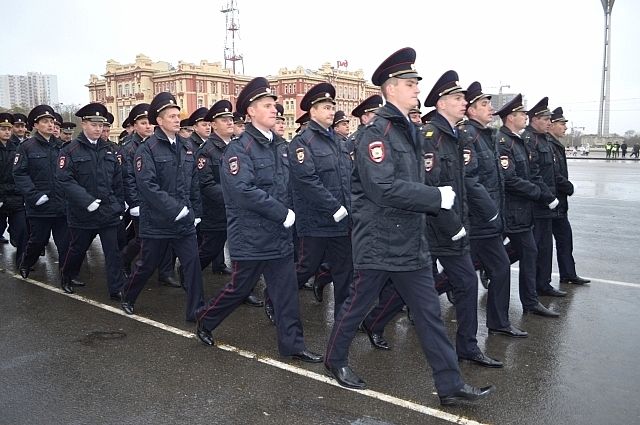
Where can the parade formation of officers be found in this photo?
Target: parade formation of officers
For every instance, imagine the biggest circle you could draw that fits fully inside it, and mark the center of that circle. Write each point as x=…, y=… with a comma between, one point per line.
x=401, y=211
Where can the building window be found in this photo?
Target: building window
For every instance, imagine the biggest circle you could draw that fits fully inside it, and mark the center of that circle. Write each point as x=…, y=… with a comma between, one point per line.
x=214, y=88
x=200, y=102
x=119, y=90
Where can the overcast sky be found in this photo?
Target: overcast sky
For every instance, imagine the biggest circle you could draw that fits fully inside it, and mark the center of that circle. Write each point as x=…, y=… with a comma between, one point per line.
x=540, y=48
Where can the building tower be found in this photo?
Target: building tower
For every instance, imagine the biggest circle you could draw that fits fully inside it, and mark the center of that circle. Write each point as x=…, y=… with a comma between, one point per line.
x=232, y=27
x=605, y=92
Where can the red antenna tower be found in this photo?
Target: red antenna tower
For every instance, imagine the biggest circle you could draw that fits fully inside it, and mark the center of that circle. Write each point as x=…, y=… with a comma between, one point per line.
x=232, y=27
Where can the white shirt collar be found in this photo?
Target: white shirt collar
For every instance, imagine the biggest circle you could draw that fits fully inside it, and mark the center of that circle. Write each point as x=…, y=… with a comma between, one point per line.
x=267, y=134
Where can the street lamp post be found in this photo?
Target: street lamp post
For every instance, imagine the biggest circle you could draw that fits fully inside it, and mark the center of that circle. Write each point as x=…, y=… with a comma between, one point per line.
x=605, y=92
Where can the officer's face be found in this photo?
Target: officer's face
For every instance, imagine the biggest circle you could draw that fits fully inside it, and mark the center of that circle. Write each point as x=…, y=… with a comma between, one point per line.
x=44, y=126
x=203, y=129
x=65, y=137
x=93, y=130
x=403, y=94
x=263, y=113
x=56, y=130
x=558, y=129
x=342, y=128
x=367, y=117
x=541, y=124
x=481, y=111
x=323, y=113
x=169, y=120
x=415, y=118
x=278, y=128
x=238, y=129
x=224, y=127
x=452, y=106
x=518, y=120
x=5, y=133
x=19, y=129
x=143, y=127
x=106, y=129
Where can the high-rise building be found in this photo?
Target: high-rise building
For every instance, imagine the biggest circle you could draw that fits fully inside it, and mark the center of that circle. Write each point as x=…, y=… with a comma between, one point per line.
x=197, y=85
x=29, y=90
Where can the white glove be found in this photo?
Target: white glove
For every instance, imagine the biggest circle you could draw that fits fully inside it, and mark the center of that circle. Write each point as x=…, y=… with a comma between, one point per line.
x=94, y=205
x=447, y=196
x=439, y=267
x=340, y=214
x=1, y=204
x=461, y=234
x=135, y=212
x=126, y=206
x=554, y=204
x=291, y=218
x=197, y=221
x=183, y=213
x=494, y=217
x=42, y=200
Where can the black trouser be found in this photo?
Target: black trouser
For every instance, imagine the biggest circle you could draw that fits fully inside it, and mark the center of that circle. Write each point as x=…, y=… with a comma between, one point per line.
x=210, y=245
x=524, y=248
x=279, y=275
x=416, y=287
x=491, y=254
x=152, y=252
x=18, y=235
x=132, y=249
x=563, y=235
x=80, y=241
x=40, y=229
x=463, y=278
x=336, y=251
x=543, y=235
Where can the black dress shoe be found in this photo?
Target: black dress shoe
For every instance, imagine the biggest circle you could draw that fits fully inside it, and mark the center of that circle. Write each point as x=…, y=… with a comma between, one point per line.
x=181, y=277
x=307, y=357
x=76, y=282
x=553, y=292
x=466, y=393
x=169, y=281
x=317, y=291
x=377, y=340
x=24, y=271
x=575, y=280
x=451, y=297
x=346, y=377
x=511, y=331
x=65, y=284
x=541, y=310
x=270, y=312
x=116, y=297
x=482, y=359
x=253, y=301
x=203, y=334
x=127, y=306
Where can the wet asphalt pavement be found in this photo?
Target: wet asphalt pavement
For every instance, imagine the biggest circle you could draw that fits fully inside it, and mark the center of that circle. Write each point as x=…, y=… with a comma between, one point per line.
x=67, y=360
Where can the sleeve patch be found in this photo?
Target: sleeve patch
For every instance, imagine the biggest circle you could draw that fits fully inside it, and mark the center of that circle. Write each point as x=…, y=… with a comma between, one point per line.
x=201, y=163
x=139, y=163
x=504, y=161
x=300, y=155
x=376, y=151
x=234, y=165
x=428, y=162
x=466, y=153
x=62, y=161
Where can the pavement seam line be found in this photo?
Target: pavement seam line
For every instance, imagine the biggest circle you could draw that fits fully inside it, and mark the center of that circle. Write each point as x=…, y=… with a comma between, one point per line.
x=595, y=279
x=406, y=404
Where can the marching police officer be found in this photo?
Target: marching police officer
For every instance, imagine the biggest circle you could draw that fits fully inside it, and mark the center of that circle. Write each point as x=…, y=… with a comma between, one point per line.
x=254, y=175
x=278, y=127
x=169, y=196
x=321, y=178
x=302, y=121
x=238, y=124
x=11, y=202
x=389, y=200
x=341, y=125
x=520, y=194
x=91, y=177
x=543, y=173
x=19, y=129
x=366, y=112
x=66, y=132
x=561, y=226
x=34, y=172
x=485, y=196
x=415, y=115
x=444, y=161
x=201, y=127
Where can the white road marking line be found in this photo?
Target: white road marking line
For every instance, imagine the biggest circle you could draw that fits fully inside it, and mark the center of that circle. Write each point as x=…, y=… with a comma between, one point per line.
x=595, y=279
x=407, y=404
